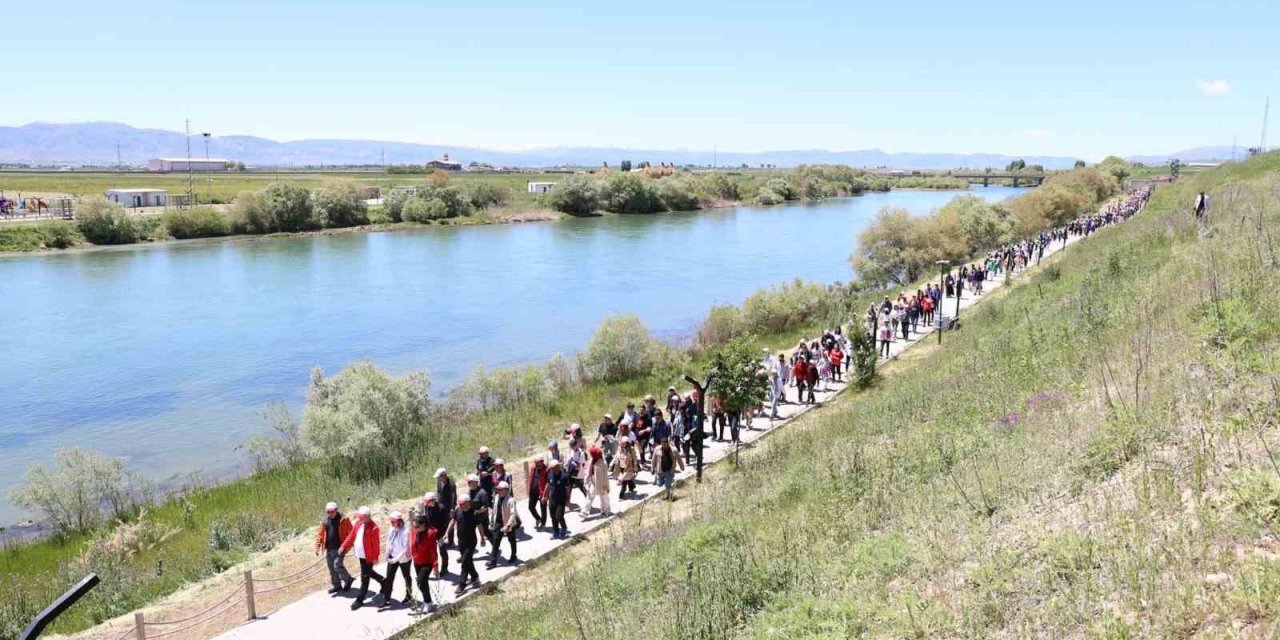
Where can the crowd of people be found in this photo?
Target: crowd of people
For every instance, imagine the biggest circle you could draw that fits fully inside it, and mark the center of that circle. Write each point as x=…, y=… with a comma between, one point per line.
x=659, y=439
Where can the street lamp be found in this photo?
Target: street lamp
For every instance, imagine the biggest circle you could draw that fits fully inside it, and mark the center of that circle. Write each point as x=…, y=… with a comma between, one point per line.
x=943, y=267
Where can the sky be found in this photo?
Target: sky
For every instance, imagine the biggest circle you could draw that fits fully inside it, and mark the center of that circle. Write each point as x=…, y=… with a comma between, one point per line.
x=1086, y=78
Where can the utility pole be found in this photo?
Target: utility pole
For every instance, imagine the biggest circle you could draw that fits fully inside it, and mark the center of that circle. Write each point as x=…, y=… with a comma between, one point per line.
x=207, y=135
x=191, y=178
x=119, y=164
x=1266, y=113
x=715, y=160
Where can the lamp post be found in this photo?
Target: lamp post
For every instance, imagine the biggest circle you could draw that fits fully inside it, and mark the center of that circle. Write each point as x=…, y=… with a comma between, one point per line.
x=943, y=267
x=959, y=293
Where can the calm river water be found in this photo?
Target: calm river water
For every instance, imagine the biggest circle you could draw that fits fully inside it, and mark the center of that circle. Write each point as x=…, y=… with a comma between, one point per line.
x=167, y=354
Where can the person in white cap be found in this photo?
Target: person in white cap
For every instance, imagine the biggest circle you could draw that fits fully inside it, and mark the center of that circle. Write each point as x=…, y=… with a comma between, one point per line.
x=484, y=470
x=480, y=501
x=398, y=560
x=333, y=529
x=366, y=539
x=438, y=515
x=464, y=522
x=504, y=522
x=447, y=496
x=500, y=473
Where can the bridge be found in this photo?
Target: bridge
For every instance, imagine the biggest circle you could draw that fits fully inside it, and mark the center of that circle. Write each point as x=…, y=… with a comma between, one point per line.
x=1018, y=178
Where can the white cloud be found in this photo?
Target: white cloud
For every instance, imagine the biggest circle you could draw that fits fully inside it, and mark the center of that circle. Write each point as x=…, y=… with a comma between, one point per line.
x=1217, y=87
x=1038, y=133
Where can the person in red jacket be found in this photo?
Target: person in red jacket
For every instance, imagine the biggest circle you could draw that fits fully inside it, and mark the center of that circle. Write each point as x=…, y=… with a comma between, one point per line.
x=334, y=528
x=811, y=378
x=422, y=546
x=799, y=371
x=537, y=487
x=366, y=539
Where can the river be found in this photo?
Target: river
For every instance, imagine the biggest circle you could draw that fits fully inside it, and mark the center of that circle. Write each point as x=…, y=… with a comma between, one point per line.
x=167, y=354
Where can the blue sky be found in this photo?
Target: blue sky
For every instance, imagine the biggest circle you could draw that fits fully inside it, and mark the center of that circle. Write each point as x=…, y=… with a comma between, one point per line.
x=1083, y=78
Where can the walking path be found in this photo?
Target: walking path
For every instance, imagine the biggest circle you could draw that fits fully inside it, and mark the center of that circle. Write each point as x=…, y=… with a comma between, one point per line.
x=320, y=616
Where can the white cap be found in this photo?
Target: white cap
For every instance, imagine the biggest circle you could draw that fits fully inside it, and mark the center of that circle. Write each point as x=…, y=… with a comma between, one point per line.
x=395, y=515
x=431, y=495
x=484, y=449
x=473, y=478
x=440, y=472
x=575, y=427
x=553, y=463
x=364, y=511
x=464, y=498
x=332, y=506
x=500, y=461
x=504, y=485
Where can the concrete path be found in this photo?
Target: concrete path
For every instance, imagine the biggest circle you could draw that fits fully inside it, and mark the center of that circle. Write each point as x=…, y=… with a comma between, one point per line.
x=320, y=616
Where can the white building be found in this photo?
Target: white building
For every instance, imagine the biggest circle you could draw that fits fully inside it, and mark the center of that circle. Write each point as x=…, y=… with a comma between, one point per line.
x=540, y=187
x=171, y=165
x=134, y=198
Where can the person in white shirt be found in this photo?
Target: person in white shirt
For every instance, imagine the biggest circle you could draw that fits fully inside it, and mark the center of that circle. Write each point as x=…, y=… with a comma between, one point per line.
x=398, y=559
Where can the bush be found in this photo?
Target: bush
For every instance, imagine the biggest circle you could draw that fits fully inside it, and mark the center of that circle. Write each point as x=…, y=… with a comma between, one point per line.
x=365, y=421
x=767, y=197
x=738, y=378
x=889, y=249
x=721, y=187
x=424, y=210
x=338, y=205
x=60, y=235
x=249, y=213
x=80, y=488
x=104, y=222
x=197, y=222
x=677, y=195
x=288, y=207
x=783, y=187
x=34, y=237
x=630, y=193
x=724, y=322
x=575, y=195
x=863, y=357
x=484, y=195
x=622, y=348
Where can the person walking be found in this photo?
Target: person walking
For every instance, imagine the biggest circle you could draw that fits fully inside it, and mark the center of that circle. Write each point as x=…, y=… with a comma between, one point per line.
x=1201, y=205
x=480, y=502
x=597, y=480
x=398, y=560
x=811, y=379
x=333, y=529
x=439, y=516
x=665, y=462
x=718, y=418
x=447, y=496
x=464, y=524
x=504, y=522
x=886, y=333
x=423, y=543
x=625, y=468
x=366, y=539
x=484, y=471
x=556, y=495
x=537, y=490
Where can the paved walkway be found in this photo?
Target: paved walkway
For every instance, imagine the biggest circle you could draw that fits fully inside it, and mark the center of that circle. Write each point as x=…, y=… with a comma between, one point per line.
x=321, y=616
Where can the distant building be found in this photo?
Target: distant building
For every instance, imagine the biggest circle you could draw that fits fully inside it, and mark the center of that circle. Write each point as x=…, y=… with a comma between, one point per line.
x=134, y=198
x=540, y=187
x=445, y=165
x=174, y=165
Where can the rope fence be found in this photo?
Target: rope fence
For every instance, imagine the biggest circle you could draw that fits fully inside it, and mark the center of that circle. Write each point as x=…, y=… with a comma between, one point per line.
x=226, y=607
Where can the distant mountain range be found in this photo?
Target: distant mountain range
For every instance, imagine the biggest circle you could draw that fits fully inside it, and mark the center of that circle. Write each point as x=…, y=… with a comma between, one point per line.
x=1198, y=154
x=96, y=143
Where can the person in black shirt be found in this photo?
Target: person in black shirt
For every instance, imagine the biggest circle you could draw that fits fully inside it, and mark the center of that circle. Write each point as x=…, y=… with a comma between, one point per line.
x=558, y=483
x=484, y=471
x=607, y=438
x=447, y=496
x=438, y=515
x=479, y=503
x=464, y=524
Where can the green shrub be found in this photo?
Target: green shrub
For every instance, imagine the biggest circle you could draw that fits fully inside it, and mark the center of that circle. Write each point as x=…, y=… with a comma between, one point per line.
x=80, y=489
x=630, y=193
x=249, y=213
x=197, y=222
x=60, y=235
x=677, y=195
x=783, y=187
x=622, y=348
x=484, y=195
x=288, y=207
x=424, y=210
x=338, y=205
x=104, y=222
x=34, y=237
x=365, y=421
x=767, y=197
x=575, y=195
x=724, y=322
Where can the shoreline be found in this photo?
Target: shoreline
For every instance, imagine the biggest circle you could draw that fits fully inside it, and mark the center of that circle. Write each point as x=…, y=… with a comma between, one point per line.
x=482, y=219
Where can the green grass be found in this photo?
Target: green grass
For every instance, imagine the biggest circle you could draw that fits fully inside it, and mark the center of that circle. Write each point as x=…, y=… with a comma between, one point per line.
x=1093, y=455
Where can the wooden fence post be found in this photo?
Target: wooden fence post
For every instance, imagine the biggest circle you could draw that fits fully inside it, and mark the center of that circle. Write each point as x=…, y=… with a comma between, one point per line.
x=248, y=594
x=140, y=625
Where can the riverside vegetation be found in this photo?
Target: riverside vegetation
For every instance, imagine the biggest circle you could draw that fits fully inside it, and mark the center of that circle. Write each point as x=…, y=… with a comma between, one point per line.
x=151, y=548
x=1093, y=456
x=437, y=198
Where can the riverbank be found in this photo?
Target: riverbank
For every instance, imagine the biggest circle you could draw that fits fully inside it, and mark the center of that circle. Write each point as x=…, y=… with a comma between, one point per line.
x=486, y=199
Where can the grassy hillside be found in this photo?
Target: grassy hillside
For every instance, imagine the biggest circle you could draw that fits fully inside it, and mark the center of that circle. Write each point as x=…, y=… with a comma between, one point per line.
x=1092, y=456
